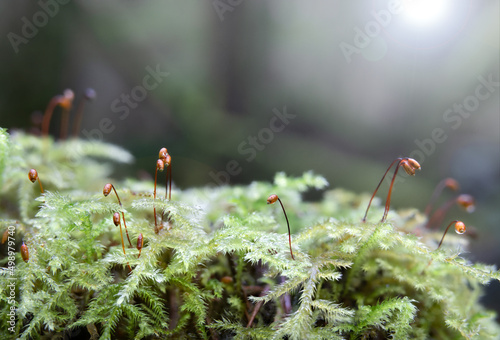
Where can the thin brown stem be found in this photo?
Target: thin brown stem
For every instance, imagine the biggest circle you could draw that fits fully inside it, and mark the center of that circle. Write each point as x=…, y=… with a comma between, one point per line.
x=66, y=104
x=117, y=221
x=445, y=183
x=459, y=228
x=159, y=166
x=154, y=203
x=254, y=313
x=388, y=200
x=409, y=165
x=437, y=218
x=126, y=231
x=89, y=95
x=47, y=116
x=168, y=183
x=288, y=225
x=444, y=234
x=378, y=186
x=121, y=233
x=41, y=187
x=257, y=307
x=270, y=200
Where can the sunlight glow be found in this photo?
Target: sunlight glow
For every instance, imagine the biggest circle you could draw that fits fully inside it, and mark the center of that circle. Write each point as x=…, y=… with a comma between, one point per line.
x=425, y=12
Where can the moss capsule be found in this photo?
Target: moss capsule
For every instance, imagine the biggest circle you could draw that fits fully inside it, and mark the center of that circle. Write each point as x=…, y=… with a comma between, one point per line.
x=25, y=254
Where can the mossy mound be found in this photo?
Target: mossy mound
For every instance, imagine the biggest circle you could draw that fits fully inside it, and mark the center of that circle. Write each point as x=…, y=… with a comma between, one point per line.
x=220, y=267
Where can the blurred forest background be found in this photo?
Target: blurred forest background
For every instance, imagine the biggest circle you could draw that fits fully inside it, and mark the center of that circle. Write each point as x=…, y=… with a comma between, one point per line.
x=360, y=82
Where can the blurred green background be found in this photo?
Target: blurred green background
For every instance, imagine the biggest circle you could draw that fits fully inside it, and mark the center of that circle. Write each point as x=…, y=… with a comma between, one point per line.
x=361, y=84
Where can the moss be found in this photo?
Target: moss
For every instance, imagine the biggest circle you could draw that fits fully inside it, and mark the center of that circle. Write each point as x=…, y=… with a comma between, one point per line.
x=221, y=260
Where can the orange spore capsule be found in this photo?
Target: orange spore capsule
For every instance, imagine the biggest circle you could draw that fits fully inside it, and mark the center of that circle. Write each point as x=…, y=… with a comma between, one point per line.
x=33, y=175
x=163, y=153
x=407, y=167
x=107, y=189
x=116, y=219
x=25, y=254
x=168, y=177
x=467, y=202
x=460, y=227
x=67, y=99
x=452, y=184
x=226, y=279
x=140, y=242
x=5, y=236
x=90, y=94
x=167, y=160
x=413, y=163
x=159, y=165
x=272, y=199
x=65, y=104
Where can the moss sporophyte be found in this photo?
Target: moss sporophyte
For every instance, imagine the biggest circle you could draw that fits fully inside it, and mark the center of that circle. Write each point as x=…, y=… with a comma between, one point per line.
x=409, y=165
x=222, y=269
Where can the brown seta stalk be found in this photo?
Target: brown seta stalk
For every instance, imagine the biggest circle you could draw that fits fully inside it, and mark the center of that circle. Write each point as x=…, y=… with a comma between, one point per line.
x=272, y=199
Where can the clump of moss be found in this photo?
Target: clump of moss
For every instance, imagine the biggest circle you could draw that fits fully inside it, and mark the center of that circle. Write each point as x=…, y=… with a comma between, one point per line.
x=220, y=267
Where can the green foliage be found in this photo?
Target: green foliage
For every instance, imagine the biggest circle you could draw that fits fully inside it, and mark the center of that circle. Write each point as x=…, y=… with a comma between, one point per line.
x=220, y=267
